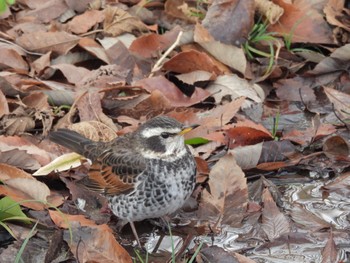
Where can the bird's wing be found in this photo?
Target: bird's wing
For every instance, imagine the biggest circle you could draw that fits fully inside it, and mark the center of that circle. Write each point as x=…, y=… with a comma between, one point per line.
x=116, y=170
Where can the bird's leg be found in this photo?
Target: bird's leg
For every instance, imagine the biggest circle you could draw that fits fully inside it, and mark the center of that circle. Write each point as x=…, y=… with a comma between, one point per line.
x=135, y=234
x=166, y=223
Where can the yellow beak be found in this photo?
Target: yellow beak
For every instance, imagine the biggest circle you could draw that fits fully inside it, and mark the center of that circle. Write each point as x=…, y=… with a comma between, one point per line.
x=186, y=129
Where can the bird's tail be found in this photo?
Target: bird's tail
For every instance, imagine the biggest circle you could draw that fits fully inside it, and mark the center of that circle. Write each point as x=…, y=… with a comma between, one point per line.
x=75, y=142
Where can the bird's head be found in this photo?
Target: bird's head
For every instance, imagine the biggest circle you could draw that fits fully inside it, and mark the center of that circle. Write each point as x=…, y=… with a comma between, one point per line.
x=163, y=136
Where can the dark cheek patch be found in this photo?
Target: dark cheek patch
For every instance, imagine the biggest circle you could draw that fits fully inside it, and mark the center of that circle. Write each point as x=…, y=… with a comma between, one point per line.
x=154, y=144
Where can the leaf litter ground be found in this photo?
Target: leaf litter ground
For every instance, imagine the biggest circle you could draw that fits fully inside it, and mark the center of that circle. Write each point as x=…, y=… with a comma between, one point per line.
x=268, y=83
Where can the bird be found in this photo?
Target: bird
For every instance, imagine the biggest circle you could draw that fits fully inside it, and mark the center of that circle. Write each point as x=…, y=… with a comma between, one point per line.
x=148, y=173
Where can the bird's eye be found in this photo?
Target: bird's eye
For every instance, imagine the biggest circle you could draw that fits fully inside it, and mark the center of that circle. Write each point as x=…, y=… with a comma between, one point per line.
x=165, y=135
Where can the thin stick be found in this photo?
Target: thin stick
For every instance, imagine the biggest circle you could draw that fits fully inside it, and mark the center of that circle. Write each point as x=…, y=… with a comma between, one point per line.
x=135, y=234
x=159, y=63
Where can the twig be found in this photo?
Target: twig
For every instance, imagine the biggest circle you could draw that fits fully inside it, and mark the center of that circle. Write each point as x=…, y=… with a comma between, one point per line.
x=159, y=63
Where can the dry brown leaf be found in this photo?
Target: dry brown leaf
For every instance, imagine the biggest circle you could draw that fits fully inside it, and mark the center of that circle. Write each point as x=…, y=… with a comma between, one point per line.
x=194, y=77
x=270, y=10
x=338, y=61
x=94, y=130
x=226, y=203
x=104, y=76
x=152, y=45
x=4, y=107
x=247, y=132
x=90, y=109
x=214, y=120
x=231, y=56
x=41, y=63
x=99, y=244
x=234, y=87
x=171, y=92
x=45, y=11
x=340, y=100
x=72, y=73
x=340, y=185
x=117, y=21
x=303, y=21
x=93, y=48
x=247, y=157
x=9, y=172
x=189, y=61
x=230, y=21
x=82, y=23
x=11, y=59
x=175, y=8
x=37, y=100
x=24, y=182
x=329, y=252
x=57, y=42
x=21, y=197
x=337, y=148
x=274, y=223
x=295, y=89
x=63, y=220
x=82, y=5
x=38, y=191
x=16, y=124
x=334, y=13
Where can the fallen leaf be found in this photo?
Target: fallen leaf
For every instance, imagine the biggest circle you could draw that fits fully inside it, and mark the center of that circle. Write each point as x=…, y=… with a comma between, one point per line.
x=38, y=191
x=94, y=48
x=303, y=21
x=4, y=107
x=329, y=252
x=64, y=220
x=339, y=185
x=171, y=92
x=57, y=42
x=189, y=61
x=274, y=223
x=340, y=100
x=307, y=219
x=226, y=203
x=230, y=21
x=336, y=148
x=231, y=56
x=247, y=157
x=334, y=14
x=11, y=59
x=247, y=132
x=152, y=45
x=82, y=23
x=61, y=163
x=234, y=87
x=72, y=73
x=99, y=244
x=117, y=21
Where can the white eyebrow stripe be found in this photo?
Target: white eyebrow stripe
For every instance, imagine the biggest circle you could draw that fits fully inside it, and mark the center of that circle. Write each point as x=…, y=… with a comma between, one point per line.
x=147, y=133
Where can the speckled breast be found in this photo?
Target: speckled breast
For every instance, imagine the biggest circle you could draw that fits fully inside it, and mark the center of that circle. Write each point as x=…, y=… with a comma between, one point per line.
x=163, y=188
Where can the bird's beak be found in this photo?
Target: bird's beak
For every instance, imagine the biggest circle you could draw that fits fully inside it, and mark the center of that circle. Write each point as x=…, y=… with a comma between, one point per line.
x=186, y=129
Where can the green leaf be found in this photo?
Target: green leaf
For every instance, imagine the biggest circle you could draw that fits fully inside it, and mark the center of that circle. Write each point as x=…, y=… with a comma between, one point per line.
x=196, y=141
x=3, y=6
x=10, y=209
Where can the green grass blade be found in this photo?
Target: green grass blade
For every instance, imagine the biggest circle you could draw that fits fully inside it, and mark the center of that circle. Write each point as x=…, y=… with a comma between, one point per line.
x=20, y=252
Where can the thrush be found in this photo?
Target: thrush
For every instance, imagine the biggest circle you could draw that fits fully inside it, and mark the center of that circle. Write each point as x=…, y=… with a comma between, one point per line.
x=148, y=173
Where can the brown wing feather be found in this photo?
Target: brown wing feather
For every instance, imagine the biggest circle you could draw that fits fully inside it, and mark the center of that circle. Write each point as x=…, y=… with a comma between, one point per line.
x=104, y=180
x=115, y=171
